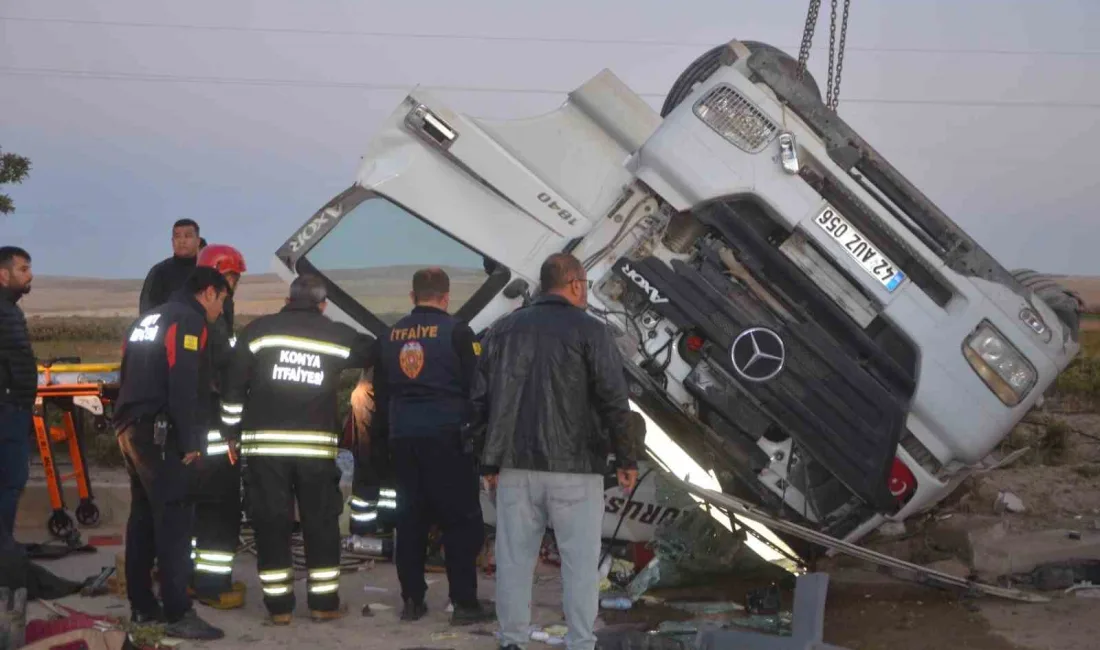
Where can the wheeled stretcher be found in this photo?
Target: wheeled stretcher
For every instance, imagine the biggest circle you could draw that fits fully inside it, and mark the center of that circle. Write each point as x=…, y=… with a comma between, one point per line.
x=77, y=390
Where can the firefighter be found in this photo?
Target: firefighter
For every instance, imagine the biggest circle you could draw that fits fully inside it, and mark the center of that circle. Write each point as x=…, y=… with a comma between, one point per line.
x=165, y=379
x=373, y=502
x=422, y=386
x=282, y=386
x=218, y=492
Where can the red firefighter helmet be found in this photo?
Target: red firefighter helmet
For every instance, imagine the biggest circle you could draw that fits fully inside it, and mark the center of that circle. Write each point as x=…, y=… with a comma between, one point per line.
x=225, y=259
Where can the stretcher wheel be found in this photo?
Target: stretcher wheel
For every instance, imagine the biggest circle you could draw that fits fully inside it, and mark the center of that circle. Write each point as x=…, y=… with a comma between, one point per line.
x=60, y=524
x=87, y=514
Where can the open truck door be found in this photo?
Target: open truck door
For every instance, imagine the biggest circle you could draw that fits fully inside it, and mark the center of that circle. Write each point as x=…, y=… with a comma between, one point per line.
x=486, y=200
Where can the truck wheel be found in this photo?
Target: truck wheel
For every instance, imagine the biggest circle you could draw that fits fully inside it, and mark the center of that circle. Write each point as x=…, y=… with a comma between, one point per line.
x=1065, y=303
x=704, y=66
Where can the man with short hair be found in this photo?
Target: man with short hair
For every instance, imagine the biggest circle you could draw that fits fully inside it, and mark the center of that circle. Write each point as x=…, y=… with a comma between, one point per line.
x=18, y=387
x=552, y=395
x=169, y=275
x=422, y=388
x=159, y=416
x=279, y=405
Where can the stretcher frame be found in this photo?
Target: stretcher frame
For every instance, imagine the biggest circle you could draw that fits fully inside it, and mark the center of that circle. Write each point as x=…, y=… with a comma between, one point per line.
x=68, y=397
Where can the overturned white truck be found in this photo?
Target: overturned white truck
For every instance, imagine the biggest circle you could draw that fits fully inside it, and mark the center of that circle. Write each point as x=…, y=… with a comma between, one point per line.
x=794, y=314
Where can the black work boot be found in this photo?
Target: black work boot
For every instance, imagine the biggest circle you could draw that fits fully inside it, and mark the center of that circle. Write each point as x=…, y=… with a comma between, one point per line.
x=482, y=611
x=193, y=627
x=414, y=610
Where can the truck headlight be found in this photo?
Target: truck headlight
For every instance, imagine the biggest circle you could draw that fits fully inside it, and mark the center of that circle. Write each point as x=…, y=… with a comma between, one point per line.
x=1000, y=365
x=736, y=119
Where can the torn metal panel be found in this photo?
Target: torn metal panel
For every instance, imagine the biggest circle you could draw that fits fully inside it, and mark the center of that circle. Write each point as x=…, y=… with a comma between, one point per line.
x=921, y=574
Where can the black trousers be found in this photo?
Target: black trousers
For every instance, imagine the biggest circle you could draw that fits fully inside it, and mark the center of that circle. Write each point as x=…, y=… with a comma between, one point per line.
x=437, y=483
x=374, y=495
x=217, y=524
x=275, y=483
x=159, y=527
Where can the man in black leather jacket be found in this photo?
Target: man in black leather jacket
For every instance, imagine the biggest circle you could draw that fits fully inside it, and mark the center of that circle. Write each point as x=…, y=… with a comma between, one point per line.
x=18, y=386
x=552, y=395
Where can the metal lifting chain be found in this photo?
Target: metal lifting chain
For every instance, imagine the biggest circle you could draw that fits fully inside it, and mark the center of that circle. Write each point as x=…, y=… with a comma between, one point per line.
x=833, y=96
x=808, y=36
x=836, y=54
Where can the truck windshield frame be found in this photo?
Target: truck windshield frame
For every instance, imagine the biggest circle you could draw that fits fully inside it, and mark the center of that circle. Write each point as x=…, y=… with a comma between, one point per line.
x=367, y=261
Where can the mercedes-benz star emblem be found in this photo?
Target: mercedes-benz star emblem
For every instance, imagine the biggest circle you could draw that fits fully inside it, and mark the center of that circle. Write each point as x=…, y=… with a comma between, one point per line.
x=757, y=354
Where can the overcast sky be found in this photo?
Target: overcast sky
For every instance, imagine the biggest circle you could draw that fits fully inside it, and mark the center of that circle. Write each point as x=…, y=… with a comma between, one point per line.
x=249, y=115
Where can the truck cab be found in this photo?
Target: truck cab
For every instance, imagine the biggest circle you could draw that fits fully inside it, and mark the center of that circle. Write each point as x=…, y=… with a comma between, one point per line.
x=794, y=315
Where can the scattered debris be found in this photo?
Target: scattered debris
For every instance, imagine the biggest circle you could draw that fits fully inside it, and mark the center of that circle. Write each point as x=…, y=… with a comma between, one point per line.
x=749, y=511
x=616, y=602
x=763, y=601
x=1006, y=461
x=13, y=618
x=551, y=634
x=706, y=608
x=892, y=529
x=1084, y=590
x=1007, y=501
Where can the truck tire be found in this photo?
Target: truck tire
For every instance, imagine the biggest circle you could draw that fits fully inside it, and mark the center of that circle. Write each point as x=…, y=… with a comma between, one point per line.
x=709, y=62
x=1065, y=303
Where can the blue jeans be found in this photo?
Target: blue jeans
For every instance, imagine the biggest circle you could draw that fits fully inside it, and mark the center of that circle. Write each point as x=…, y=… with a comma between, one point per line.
x=15, y=449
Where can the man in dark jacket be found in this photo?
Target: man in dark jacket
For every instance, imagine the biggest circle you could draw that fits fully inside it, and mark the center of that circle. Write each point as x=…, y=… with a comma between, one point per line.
x=18, y=385
x=161, y=423
x=549, y=386
x=169, y=275
x=422, y=384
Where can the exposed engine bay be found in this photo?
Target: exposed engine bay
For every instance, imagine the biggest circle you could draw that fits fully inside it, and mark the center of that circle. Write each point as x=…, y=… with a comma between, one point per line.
x=723, y=326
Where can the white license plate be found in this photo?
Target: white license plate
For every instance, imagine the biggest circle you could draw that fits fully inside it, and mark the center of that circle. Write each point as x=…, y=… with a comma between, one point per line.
x=860, y=249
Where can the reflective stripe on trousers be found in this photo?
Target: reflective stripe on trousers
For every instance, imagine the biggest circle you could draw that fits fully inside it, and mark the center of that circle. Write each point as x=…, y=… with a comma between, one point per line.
x=324, y=580
x=277, y=582
x=211, y=562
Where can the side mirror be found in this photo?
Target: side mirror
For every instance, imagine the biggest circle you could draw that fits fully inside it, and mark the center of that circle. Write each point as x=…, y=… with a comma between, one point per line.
x=515, y=289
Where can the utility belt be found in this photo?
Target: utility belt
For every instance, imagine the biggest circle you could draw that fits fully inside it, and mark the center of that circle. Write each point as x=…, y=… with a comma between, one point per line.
x=293, y=444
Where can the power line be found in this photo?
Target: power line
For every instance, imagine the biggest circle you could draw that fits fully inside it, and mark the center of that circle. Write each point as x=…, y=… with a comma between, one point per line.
x=404, y=88
x=524, y=39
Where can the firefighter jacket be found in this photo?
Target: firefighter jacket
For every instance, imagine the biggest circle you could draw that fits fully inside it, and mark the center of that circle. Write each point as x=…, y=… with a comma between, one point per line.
x=426, y=366
x=221, y=355
x=166, y=369
x=280, y=398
